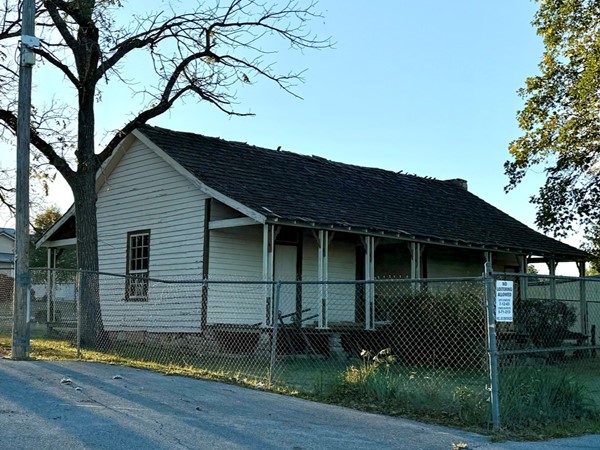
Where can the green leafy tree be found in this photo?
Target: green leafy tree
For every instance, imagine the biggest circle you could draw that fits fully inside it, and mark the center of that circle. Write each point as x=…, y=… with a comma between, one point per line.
x=561, y=118
x=592, y=245
x=202, y=52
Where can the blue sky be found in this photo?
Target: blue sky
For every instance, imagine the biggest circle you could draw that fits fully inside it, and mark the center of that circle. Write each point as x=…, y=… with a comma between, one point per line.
x=423, y=87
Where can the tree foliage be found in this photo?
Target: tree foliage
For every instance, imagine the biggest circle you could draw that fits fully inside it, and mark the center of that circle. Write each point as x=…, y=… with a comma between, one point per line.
x=201, y=53
x=592, y=245
x=561, y=118
x=45, y=219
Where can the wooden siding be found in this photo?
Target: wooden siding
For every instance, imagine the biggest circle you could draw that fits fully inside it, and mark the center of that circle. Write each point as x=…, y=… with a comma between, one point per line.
x=446, y=262
x=236, y=254
x=7, y=245
x=144, y=192
x=342, y=267
x=392, y=260
x=285, y=262
x=505, y=262
x=220, y=211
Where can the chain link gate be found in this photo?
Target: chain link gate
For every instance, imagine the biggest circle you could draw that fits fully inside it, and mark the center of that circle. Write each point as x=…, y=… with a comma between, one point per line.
x=543, y=365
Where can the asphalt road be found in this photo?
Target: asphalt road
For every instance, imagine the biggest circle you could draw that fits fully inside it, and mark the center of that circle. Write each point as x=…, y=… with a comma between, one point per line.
x=99, y=406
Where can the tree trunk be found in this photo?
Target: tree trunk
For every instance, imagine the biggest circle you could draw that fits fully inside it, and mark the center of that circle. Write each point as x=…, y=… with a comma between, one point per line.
x=92, y=329
x=84, y=194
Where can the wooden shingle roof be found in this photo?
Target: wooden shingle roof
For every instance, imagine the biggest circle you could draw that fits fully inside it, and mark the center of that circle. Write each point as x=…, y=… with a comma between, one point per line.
x=286, y=186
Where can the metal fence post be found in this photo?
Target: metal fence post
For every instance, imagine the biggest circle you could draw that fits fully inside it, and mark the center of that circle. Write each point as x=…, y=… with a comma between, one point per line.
x=275, y=329
x=492, y=345
x=583, y=305
x=78, y=306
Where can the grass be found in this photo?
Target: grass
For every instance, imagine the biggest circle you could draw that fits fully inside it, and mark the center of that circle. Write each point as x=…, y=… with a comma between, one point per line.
x=536, y=402
x=550, y=401
x=450, y=397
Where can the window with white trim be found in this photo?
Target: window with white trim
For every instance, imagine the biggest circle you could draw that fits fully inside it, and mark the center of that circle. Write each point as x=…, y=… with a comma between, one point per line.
x=138, y=265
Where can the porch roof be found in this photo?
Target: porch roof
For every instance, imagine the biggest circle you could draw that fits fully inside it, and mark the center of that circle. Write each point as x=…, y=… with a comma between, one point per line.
x=313, y=191
x=9, y=232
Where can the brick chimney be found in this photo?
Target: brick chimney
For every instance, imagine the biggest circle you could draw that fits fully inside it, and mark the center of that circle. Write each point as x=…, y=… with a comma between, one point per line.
x=459, y=182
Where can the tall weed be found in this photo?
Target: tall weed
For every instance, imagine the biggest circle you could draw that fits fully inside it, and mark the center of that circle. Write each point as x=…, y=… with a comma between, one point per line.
x=533, y=397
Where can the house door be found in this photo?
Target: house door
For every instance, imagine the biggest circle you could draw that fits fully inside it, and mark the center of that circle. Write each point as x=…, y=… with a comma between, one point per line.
x=285, y=270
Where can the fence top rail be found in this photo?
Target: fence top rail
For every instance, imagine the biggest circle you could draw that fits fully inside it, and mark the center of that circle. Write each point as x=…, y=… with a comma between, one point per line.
x=272, y=282
x=386, y=281
x=546, y=277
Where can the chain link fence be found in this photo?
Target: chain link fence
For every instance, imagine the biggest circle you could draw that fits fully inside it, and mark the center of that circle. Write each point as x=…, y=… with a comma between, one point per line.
x=414, y=347
x=547, y=355
x=555, y=318
x=6, y=299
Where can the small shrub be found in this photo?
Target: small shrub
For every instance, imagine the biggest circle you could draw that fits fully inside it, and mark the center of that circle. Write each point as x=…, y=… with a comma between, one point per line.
x=428, y=328
x=546, y=321
x=439, y=329
x=471, y=406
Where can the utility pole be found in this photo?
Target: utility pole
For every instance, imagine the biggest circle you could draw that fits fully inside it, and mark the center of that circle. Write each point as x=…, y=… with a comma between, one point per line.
x=20, y=334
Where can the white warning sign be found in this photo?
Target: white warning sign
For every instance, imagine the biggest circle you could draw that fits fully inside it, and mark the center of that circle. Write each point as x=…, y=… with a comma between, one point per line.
x=504, y=301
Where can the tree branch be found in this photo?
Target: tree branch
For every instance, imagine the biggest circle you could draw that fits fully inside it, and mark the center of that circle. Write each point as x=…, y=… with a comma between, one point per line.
x=9, y=118
x=60, y=24
x=58, y=64
x=150, y=37
x=4, y=199
x=7, y=31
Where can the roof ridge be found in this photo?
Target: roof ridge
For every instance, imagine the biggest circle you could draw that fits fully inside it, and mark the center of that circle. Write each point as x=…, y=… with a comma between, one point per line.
x=293, y=153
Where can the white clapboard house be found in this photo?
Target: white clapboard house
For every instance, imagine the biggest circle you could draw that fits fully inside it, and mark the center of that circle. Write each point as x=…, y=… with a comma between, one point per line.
x=175, y=204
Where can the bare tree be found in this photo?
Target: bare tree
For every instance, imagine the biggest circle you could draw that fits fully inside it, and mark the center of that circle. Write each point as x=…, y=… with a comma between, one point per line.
x=202, y=53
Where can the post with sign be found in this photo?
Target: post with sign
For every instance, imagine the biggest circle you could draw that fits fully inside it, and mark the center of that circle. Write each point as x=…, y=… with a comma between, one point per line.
x=504, y=301
x=492, y=346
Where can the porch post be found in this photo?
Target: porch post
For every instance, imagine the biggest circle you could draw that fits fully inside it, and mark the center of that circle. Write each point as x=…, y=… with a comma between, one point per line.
x=488, y=257
x=415, y=260
x=524, y=281
x=583, y=307
x=53, y=280
x=323, y=276
x=369, y=287
x=552, y=269
x=268, y=248
x=48, y=281
x=416, y=252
